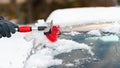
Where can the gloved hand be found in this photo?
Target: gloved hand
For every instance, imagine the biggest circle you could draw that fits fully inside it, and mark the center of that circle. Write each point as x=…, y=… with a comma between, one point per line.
x=6, y=28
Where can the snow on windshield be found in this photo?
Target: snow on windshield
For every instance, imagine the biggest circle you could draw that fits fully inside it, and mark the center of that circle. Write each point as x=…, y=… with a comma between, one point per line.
x=44, y=58
x=15, y=52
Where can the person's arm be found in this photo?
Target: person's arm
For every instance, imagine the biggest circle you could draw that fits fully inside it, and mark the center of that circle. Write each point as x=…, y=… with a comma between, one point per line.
x=6, y=28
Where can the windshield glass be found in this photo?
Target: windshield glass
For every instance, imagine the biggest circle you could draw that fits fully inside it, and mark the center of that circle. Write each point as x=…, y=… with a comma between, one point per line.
x=105, y=48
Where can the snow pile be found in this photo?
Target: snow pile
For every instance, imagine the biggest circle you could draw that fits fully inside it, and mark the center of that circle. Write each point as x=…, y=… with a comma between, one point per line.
x=72, y=33
x=44, y=57
x=115, y=28
x=69, y=65
x=81, y=16
x=13, y=51
x=94, y=32
x=41, y=61
x=41, y=22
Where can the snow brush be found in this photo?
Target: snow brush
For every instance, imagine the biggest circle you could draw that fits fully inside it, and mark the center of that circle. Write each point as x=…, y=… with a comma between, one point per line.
x=50, y=31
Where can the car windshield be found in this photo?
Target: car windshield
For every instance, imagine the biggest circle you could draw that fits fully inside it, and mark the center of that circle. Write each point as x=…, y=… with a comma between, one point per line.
x=105, y=48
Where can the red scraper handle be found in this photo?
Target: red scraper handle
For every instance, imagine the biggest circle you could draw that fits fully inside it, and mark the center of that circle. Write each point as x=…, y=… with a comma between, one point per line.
x=24, y=29
x=29, y=28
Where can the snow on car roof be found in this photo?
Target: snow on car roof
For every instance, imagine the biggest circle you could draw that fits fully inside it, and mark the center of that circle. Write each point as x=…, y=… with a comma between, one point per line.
x=75, y=16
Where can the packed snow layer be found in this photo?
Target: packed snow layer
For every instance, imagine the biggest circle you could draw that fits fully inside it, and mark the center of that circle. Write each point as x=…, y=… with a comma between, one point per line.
x=44, y=58
x=13, y=51
x=79, y=16
x=69, y=65
x=72, y=33
x=115, y=28
x=94, y=32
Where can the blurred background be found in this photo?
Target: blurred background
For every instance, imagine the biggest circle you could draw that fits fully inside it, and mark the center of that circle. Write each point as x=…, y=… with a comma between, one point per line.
x=29, y=11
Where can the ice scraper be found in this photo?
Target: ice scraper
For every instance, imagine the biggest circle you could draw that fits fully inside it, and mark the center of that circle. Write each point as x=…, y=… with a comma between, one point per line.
x=51, y=31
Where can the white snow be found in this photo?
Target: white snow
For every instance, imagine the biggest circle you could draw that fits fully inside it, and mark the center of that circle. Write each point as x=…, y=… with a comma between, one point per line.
x=80, y=16
x=15, y=50
x=69, y=65
x=40, y=22
x=94, y=32
x=115, y=28
x=44, y=57
x=72, y=33
x=41, y=61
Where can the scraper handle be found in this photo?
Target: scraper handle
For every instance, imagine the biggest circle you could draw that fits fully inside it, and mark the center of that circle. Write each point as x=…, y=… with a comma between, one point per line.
x=29, y=28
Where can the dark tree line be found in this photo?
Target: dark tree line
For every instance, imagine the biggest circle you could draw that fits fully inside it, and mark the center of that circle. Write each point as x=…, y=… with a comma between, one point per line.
x=32, y=10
